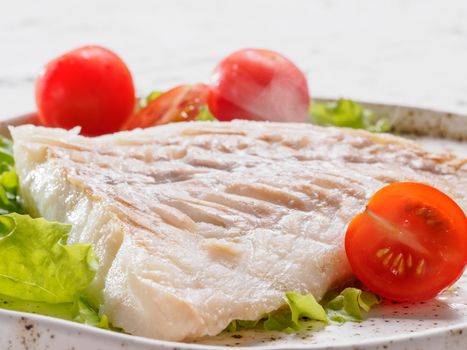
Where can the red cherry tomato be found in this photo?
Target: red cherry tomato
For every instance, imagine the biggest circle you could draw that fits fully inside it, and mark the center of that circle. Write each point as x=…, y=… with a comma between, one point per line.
x=409, y=244
x=182, y=103
x=258, y=85
x=89, y=87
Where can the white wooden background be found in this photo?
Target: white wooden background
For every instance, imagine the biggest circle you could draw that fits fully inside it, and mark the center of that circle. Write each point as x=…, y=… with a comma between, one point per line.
x=406, y=52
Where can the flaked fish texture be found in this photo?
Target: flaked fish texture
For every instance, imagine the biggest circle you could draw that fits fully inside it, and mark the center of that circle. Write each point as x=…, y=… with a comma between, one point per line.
x=197, y=224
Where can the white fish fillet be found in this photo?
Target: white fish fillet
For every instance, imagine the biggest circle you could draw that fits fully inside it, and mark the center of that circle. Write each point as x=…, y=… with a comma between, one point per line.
x=198, y=224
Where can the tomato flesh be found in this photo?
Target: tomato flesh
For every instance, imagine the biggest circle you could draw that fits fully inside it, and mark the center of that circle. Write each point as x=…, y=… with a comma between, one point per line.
x=181, y=103
x=409, y=244
x=259, y=84
x=90, y=87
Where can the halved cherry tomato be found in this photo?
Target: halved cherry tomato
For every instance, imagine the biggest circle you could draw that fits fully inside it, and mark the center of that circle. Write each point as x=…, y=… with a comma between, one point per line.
x=182, y=103
x=89, y=87
x=259, y=84
x=409, y=244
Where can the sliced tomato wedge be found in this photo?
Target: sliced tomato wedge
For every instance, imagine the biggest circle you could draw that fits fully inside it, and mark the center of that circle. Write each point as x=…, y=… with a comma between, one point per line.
x=181, y=103
x=409, y=244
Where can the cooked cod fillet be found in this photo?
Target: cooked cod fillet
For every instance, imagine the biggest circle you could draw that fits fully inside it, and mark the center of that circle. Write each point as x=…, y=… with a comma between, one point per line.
x=197, y=224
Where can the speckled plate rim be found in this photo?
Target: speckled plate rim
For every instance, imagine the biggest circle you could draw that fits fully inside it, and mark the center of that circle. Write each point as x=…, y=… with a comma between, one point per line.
x=32, y=322
x=22, y=329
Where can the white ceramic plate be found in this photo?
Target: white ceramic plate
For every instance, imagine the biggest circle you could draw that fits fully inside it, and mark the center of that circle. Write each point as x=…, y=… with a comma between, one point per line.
x=435, y=325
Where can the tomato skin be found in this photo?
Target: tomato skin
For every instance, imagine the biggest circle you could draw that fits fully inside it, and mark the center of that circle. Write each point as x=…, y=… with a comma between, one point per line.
x=409, y=244
x=181, y=103
x=89, y=87
x=258, y=84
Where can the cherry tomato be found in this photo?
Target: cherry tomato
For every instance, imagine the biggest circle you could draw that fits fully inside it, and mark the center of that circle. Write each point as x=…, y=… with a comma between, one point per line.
x=182, y=103
x=89, y=87
x=409, y=244
x=259, y=85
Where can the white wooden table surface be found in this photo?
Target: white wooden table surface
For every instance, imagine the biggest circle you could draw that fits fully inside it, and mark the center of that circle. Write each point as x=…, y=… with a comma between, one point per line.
x=408, y=51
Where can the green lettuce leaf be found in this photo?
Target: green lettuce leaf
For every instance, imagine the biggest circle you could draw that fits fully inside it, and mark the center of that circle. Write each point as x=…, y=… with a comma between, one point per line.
x=82, y=312
x=79, y=311
x=304, y=306
x=9, y=186
x=152, y=96
x=281, y=321
x=37, y=265
x=144, y=101
x=350, y=305
x=6, y=155
x=301, y=310
x=347, y=113
x=40, y=273
x=237, y=325
x=64, y=311
x=304, y=312
x=205, y=115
